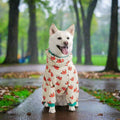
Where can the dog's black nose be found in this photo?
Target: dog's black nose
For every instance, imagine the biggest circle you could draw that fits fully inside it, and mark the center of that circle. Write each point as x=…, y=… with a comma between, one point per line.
x=65, y=43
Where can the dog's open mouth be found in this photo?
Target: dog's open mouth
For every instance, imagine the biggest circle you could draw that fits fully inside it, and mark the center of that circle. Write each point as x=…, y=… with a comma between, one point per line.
x=63, y=49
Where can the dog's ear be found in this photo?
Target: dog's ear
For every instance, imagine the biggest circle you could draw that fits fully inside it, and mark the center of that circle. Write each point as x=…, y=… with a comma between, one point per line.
x=71, y=29
x=53, y=29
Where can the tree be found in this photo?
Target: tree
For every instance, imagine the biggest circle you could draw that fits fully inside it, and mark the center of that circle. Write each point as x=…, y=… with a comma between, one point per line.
x=79, y=36
x=3, y=25
x=0, y=46
x=23, y=34
x=32, y=32
x=112, y=64
x=86, y=28
x=12, y=43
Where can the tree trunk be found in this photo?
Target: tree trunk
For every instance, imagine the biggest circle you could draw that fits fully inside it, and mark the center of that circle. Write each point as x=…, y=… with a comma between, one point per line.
x=87, y=44
x=86, y=28
x=79, y=36
x=112, y=64
x=12, y=43
x=32, y=33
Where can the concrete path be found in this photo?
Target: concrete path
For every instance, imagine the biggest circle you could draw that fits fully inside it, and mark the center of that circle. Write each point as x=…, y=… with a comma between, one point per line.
x=41, y=68
x=89, y=109
x=109, y=85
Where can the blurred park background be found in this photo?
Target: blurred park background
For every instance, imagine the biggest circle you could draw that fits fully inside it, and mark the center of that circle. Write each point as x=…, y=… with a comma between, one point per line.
x=24, y=30
x=24, y=36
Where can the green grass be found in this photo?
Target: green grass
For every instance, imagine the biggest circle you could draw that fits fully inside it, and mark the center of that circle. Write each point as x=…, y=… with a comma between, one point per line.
x=17, y=95
x=105, y=97
x=110, y=75
x=2, y=59
x=98, y=60
x=42, y=60
x=35, y=76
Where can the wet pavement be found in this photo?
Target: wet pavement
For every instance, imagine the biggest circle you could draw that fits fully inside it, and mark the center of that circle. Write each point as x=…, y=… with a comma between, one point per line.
x=89, y=109
x=21, y=82
x=110, y=85
x=41, y=68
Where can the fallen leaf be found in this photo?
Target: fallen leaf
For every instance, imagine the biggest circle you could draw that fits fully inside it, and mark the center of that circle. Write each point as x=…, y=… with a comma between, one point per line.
x=4, y=107
x=17, y=96
x=100, y=114
x=29, y=113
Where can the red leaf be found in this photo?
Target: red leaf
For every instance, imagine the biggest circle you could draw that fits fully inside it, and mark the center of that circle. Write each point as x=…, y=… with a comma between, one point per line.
x=71, y=97
x=59, y=78
x=51, y=74
x=72, y=79
x=75, y=90
x=64, y=88
x=70, y=87
x=67, y=83
x=44, y=78
x=44, y=97
x=53, y=58
x=45, y=89
x=49, y=79
x=52, y=94
x=69, y=68
x=56, y=67
x=64, y=72
x=46, y=67
x=58, y=91
x=57, y=83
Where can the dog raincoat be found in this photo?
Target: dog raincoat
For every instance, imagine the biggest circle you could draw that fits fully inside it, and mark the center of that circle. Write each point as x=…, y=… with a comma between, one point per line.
x=60, y=78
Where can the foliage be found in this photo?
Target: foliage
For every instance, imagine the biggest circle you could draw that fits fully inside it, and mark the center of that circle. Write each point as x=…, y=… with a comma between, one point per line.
x=99, y=75
x=12, y=96
x=105, y=97
x=62, y=18
x=23, y=29
x=98, y=60
x=100, y=44
x=20, y=75
x=2, y=58
x=3, y=19
x=43, y=24
x=3, y=25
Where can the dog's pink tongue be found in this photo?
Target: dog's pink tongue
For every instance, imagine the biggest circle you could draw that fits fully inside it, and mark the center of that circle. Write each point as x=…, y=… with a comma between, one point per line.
x=65, y=51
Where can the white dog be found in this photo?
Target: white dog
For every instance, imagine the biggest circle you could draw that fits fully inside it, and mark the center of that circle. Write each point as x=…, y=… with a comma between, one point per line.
x=60, y=81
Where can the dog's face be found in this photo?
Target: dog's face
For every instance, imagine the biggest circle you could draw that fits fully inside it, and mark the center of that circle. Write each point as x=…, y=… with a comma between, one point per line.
x=61, y=42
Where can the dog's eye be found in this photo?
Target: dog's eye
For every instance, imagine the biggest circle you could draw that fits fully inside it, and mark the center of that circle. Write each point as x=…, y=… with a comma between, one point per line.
x=59, y=38
x=68, y=38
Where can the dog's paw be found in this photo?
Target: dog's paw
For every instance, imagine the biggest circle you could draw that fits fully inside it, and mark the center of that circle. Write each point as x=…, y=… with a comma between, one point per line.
x=76, y=104
x=46, y=105
x=52, y=110
x=71, y=108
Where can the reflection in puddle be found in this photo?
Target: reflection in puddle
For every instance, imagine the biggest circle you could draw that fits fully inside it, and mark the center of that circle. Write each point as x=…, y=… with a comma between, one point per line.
x=110, y=85
x=21, y=82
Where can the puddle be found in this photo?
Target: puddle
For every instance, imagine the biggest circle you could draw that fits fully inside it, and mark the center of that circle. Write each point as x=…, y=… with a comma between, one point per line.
x=91, y=84
x=21, y=82
x=110, y=85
